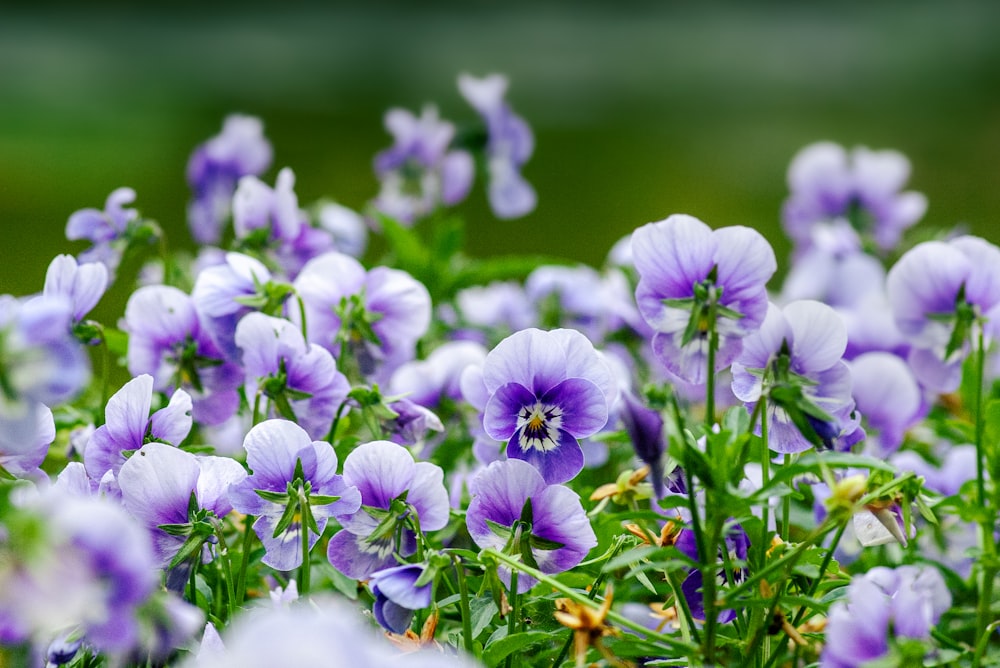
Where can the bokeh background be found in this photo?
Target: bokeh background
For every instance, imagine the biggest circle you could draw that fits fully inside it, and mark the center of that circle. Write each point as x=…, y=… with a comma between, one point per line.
x=640, y=109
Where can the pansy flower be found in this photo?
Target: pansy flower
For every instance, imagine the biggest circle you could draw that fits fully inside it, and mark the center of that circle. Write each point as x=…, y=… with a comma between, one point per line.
x=513, y=509
x=129, y=426
x=546, y=390
x=795, y=363
x=214, y=169
x=689, y=275
x=107, y=230
x=942, y=294
x=298, y=381
x=509, y=145
x=178, y=496
x=294, y=488
x=398, y=495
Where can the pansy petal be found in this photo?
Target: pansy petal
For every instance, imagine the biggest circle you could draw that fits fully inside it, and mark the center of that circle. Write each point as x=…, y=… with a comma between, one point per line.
x=156, y=483
x=353, y=556
x=819, y=333
x=557, y=464
x=172, y=423
x=584, y=406
x=529, y=357
x=272, y=449
x=501, y=414
x=127, y=412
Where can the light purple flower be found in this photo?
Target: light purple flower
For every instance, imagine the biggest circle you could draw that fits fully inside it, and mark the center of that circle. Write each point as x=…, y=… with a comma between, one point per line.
x=224, y=293
x=394, y=489
x=581, y=298
x=390, y=303
x=40, y=362
x=275, y=211
x=683, y=265
x=510, y=144
x=157, y=482
x=168, y=342
x=275, y=449
x=888, y=396
x=81, y=284
x=794, y=362
x=129, y=426
x=298, y=380
x=547, y=389
x=941, y=294
x=346, y=226
x=21, y=453
x=214, y=169
x=397, y=596
x=881, y=604
x=106, y=230
x=428, y=381
x=501, y=305
x=418, y=172
x=828, y=184
x=92, y=568
x=555, y=533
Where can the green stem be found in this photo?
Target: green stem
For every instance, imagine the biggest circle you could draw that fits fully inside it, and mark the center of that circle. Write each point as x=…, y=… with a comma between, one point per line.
x=765, y=479
x=256, y=408
x=713, y=346
x=515, y=564
x=709, y=570
x=827, y=558
x=306, y=567
x=986, y=525
x=786, y=508
x=463, y=602
x=512, y=619
x=241, y=582
x=302, y=315
x=227, y=566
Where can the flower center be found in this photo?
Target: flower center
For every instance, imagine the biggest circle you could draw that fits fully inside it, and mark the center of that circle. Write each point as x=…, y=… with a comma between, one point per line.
x=538, y=426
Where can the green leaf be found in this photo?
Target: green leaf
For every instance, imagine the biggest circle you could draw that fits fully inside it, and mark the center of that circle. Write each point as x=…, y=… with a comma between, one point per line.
x=499, y=650
x=322, y=499
x=273, y=497
x=484, y=609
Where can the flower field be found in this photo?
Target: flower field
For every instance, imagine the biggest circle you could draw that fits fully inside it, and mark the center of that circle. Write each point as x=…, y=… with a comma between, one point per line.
x=333, y=437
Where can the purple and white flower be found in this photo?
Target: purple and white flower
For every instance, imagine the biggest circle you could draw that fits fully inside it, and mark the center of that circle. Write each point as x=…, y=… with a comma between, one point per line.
x=214, y=169
x=509, y=145
x=129, y=426
x=546, y=390
x=397, y=595
x=277, y=452
x=395, y=491
x=157, y=482
x=515, y=510
x=687, y=273
x=418, y=172
x=106, y=230
x=298, y=380
x=81, y=284
x=942, y=295
x=794, y=362
x=883, y=604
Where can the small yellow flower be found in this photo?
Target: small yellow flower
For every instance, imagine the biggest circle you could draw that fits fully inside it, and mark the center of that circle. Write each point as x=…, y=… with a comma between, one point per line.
x=588, y=628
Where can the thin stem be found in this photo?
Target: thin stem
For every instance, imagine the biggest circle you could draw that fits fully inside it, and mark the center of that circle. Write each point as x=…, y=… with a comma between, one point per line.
x=241, y=582
x=512, y=619
x=786, y=507
x=765, y=479
x=227, y=565
x=306, y=567
x=463, y=602
x=986, y=526
x=256, y=408
x=713, y=347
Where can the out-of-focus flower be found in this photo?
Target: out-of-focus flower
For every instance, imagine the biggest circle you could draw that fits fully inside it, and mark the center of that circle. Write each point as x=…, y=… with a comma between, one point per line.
x=547, y=389
x=514, y=510
x=883, y=604
x=437, y=377
x=509, y=145
x=418, y=172
x=376, y=317
x=888, y=397
x=214, y=169
x=828, y=184
x=688, y=272
x=81, y=284
x=107, y=230
x=168, y=342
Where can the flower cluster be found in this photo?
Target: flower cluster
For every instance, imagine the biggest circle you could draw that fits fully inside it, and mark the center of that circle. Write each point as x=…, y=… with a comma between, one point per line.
x=292, y=453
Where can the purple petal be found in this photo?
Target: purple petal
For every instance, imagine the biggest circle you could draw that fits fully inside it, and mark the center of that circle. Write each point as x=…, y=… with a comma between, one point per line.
x=926, y=280
x=172, y=423
x=428, y=495
x=217, y=475
x=355, y=558
x=273, y=446
x=819, y=333
x=127, y=413
x=157, y=482
x=532, y=358
x=559, y=516
x=674, y=254
x=584, y=406
x=557, y=464
x=502, y=409
x=381, y=470
x=498, y=494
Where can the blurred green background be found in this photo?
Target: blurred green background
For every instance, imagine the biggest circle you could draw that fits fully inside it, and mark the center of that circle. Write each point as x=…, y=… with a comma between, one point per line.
x=640, y=109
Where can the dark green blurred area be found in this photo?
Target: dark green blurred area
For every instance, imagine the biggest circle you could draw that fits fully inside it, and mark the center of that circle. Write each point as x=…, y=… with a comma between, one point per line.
x=640, y=110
